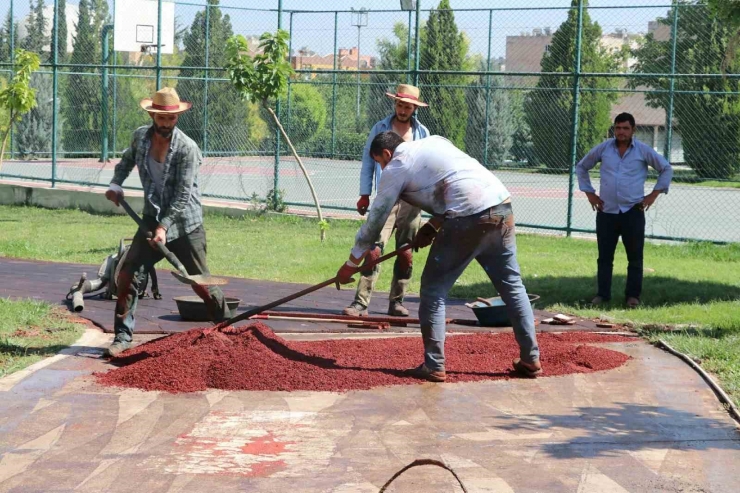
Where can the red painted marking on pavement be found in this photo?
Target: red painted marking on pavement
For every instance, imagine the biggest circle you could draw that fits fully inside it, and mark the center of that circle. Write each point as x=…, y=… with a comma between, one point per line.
x=265, y=445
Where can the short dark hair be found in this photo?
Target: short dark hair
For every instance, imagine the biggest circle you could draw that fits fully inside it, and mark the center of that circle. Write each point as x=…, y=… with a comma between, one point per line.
x=385, y=140
x=625, y=117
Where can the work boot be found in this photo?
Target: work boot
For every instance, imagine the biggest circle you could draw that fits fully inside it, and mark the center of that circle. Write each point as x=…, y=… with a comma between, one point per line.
x=116, y=348
x=396, y=309
x=355, y=310
x=530, y=370
x=633, y=302
x=598, y=300
x=425, y=373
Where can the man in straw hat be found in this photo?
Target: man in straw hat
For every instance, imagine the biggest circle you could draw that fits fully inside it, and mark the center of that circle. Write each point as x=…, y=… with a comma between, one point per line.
x=168, y=162
x=404, y=218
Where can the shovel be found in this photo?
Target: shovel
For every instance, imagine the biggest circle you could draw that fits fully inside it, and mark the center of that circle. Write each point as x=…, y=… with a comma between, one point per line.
x=181, y=274
x=328, y=282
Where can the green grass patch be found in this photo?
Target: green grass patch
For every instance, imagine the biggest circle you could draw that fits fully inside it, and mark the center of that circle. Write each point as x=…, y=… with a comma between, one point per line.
x=690, y=284
x=32, y=330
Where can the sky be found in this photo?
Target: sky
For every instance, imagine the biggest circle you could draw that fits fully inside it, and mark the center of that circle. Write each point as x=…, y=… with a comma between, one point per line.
x=316, y=30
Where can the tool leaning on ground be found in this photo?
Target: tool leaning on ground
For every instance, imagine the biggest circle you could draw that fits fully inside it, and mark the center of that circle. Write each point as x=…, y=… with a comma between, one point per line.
x=256, y=311
x=181, y=274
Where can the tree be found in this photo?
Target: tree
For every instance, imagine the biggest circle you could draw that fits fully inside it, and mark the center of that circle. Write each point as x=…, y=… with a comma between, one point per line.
x=444, y=49
x=82, y=105
x=61, y=46
x=225, y=118
x=35, y=39
x=34, y=131
x=548, y=108
x=708, y=117
x=308, y=113
x=5, y=41
x=19, y=97
x=728, y=12
x=500, y=128
x=264, y=78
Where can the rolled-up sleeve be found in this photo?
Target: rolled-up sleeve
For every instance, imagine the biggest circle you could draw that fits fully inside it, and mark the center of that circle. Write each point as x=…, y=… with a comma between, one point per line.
x=585, y=165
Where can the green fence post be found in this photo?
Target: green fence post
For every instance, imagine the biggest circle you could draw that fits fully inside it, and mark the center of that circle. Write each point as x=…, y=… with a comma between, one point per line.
x=54, y=90
x=159, y=44
x=334, y=91
x=12, y=63
x=290, y=82
x=105, y=59
x=276, y=169
x=575, y=121
x=205, y=82
x=416, y=41
x=488, y=90
x=115, y=91
x=671, y=87
x=408, y=53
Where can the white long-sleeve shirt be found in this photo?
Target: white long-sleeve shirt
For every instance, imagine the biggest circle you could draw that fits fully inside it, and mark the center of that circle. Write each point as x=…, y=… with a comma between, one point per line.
x=435, y=176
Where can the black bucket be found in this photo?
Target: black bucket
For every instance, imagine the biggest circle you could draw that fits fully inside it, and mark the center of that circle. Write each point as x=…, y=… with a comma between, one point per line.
x=192, y=308
x=495, y=316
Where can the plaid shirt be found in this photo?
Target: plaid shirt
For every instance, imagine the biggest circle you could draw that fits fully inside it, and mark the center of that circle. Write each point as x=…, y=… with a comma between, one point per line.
x=177, y=205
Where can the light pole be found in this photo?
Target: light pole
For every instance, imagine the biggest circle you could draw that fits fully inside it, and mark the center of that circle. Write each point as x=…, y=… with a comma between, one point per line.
x=359, y=19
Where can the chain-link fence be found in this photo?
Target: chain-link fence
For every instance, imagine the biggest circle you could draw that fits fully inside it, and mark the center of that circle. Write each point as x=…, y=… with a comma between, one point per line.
x=526, y=90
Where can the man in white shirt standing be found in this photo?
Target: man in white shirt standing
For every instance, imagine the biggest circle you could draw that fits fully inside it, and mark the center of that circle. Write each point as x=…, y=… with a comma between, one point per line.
x=472, y=220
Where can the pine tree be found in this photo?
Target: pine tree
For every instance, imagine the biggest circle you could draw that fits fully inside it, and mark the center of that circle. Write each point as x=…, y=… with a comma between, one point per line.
x=708, y=113
x=5, y=44
x=82, y=103
x=34, y=131
x=548, y=109
x=227, y=118
x=61, y=47
x=444, y=49
x=36, y=22
x=500, y=128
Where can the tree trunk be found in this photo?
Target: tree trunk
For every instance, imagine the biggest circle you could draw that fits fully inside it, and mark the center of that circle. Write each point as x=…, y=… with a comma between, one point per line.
x=303, y=168
x=5, y=140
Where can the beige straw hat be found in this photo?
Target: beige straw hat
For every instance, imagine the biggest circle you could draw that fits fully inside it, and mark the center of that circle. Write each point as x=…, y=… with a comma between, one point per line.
x=165, y=100
x=406, y=93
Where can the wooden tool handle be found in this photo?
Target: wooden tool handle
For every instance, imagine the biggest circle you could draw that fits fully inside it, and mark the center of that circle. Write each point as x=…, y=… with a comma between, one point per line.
x=311, y=289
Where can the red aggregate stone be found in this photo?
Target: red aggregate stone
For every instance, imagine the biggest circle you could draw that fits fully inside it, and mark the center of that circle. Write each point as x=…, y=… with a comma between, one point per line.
x=254, y=358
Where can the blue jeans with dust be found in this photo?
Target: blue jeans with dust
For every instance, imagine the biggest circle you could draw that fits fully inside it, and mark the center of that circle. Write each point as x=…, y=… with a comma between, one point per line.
x=489, y=238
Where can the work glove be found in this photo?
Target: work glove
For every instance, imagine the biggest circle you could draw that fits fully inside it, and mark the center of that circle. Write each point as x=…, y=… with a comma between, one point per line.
x=345, y=273
x=372, y=255
x=363, y=204
x=424, y=237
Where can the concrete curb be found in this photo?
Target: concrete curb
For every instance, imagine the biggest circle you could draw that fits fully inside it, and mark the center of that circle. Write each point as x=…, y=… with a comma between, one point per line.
x=719, y=392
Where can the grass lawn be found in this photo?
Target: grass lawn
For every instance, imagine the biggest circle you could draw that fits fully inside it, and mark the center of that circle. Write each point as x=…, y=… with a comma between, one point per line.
x=30, y=331
x=695, y=286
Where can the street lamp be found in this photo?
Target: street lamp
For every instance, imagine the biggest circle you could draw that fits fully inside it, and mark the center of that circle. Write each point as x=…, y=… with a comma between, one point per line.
x=408, y=4
x=359, y=19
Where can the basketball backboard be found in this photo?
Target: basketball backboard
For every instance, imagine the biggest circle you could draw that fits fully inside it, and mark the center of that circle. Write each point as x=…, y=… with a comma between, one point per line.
x=136, y=25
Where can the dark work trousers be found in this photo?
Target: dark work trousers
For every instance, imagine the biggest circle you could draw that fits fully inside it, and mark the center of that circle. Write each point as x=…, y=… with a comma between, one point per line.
x=190, y=249
x=630, y=226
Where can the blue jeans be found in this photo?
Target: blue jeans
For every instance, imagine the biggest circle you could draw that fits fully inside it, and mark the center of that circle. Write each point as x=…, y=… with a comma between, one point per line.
x=190, y=249
x=489, y=238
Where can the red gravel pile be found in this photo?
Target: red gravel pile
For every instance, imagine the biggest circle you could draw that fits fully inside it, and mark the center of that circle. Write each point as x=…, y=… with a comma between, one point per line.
x=254, y=358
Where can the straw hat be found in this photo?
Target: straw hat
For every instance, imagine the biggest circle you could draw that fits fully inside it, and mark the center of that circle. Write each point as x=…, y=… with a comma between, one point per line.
x=165, y=100
x=407, y=93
